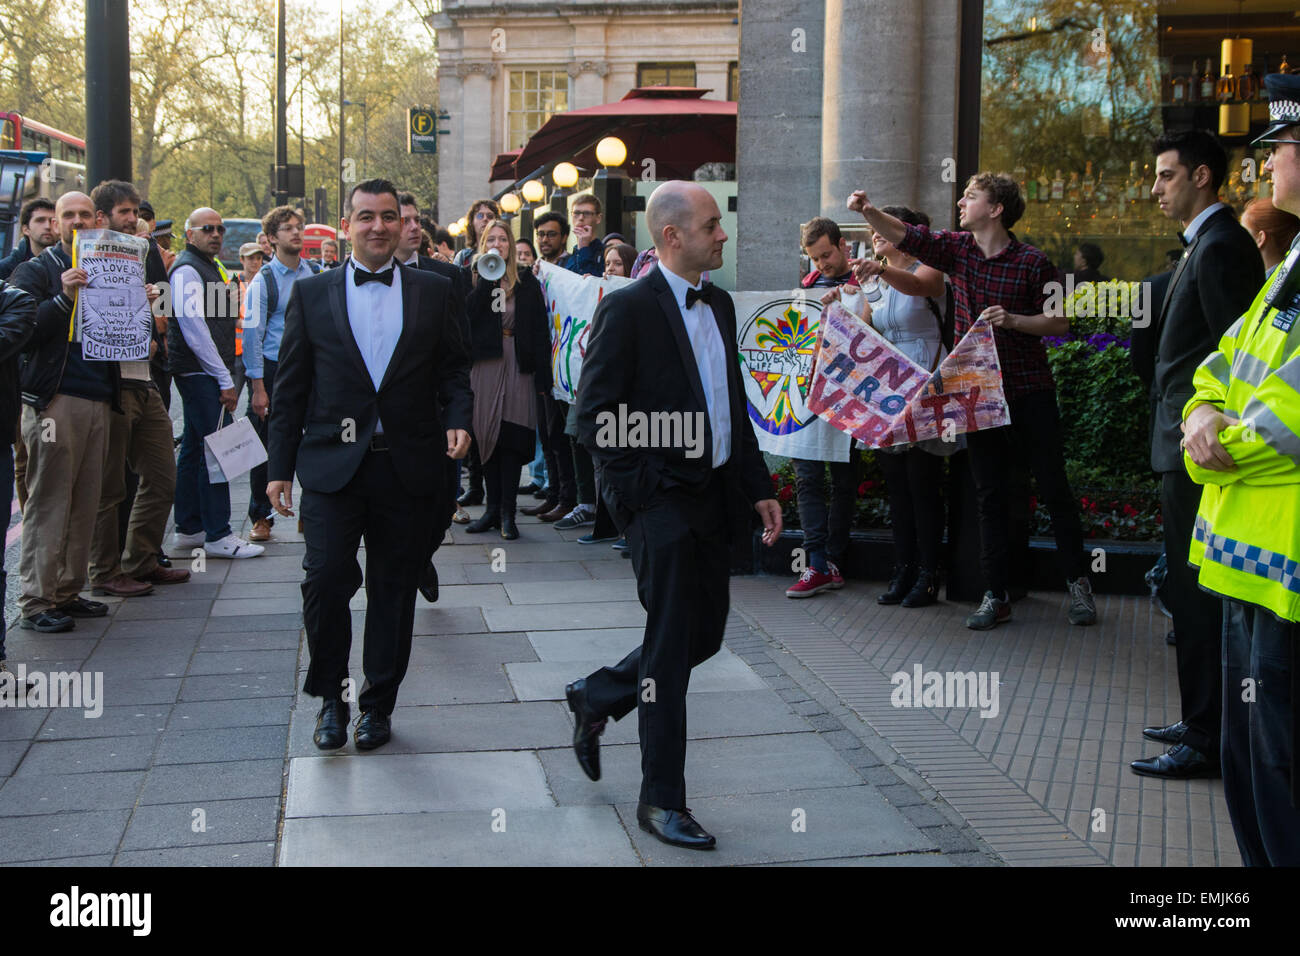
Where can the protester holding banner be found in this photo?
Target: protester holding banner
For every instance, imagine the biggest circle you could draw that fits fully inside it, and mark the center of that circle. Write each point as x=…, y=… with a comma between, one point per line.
x=907, y=315
x=510, y=345
x=1003, y=280
x=825, y=531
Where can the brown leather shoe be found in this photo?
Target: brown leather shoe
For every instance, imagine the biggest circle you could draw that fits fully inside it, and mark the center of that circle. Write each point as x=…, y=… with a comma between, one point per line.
x=161, y=575
x=261, y=530
x=122, y=586
x=555, y=514
x=541, y=508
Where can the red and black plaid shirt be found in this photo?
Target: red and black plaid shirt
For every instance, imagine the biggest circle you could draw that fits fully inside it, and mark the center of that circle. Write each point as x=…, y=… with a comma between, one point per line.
x=1016, y=279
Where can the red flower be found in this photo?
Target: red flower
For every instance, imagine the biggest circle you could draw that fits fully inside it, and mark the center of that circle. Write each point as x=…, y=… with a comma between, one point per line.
x=870, y=485
x=862, y=489
x=1106, y=523
x=1083, y=502
x=776, y=480
x=1033, y=503
x=1130, y=511
x=786, y=493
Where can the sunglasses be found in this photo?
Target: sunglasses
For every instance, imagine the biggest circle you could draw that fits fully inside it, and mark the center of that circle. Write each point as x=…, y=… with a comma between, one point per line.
x=209, y=228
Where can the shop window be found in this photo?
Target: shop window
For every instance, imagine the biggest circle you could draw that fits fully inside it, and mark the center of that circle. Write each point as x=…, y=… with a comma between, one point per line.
x=533, y=97
x=665, y=74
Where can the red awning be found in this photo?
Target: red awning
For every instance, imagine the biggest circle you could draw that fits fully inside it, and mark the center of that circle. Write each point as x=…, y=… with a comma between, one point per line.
x=503, y=167
x=672, y=125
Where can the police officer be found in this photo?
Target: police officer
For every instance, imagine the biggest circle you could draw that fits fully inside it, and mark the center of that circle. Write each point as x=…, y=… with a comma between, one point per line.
x=1242, y=442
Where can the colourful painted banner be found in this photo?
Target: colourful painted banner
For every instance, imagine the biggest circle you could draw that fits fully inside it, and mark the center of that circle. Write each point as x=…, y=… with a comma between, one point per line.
x=571, y=301
x=864, y=386
x=777, y=338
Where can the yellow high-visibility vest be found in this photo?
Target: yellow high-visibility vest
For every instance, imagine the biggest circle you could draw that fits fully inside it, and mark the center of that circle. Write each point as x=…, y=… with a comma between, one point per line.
x=1246, y=543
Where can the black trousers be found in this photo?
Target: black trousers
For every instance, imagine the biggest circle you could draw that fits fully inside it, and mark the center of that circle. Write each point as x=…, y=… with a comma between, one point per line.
x=1259, y=734
x=501, y=474
x=1198, y=619
x=1035, y=431
x=681, y=558
x=396, y=527
x=913, y=479
x=259, y=505
x=557, y=450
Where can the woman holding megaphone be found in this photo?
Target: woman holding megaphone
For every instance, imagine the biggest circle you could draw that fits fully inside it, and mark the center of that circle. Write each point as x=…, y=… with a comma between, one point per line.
x=510, y=343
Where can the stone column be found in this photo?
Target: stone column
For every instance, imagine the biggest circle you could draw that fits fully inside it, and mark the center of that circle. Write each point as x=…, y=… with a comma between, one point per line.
x=778, y=139
x=476, y=161
x=871, y=98
x=451, y=148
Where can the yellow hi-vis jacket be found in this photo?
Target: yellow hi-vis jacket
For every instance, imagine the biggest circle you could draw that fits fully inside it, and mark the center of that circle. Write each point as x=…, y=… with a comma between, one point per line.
x=1247, y=537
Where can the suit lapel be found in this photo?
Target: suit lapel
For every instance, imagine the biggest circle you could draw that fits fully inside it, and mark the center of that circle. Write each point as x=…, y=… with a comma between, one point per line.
x=1173, y=282
x=410, y=309
x=339, y=309
x=673, y=313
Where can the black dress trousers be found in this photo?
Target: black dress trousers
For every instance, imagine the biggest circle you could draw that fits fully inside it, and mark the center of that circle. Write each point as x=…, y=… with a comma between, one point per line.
x=396, y=527
x=680, y=553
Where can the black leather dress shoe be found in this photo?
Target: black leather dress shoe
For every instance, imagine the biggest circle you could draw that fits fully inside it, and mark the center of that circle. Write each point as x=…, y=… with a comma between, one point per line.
x=1180, y=763
x=489, y=521
x=429, y=583
x=587, y=728
x=509, y=530
x=80, y=607
x=373, y=730
x=541, y=508
x=472, y=496
x=331, y=725
x=676, y=827
x=1166, y=735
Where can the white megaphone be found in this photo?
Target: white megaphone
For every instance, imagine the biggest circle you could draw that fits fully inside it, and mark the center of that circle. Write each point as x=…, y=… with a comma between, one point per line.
x=490, y=265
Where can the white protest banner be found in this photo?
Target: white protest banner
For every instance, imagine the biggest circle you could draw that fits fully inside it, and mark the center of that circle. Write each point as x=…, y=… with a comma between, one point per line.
x=112, y=317
x=776, y=336
x=571, y=301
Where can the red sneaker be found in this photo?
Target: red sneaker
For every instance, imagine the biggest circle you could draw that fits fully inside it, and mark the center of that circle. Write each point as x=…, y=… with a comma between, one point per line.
x=837, y=579
x=810, y=582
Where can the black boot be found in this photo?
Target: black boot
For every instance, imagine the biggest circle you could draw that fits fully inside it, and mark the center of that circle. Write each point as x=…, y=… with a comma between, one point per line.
x=899, y=584
x=508, y=529
x=492, y=512
x=924, y=592
x=474, y=495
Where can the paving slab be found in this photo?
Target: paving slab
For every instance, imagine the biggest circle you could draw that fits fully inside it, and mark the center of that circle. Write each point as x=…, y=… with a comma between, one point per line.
x=611, y=644
x=142, y=690
x=68, y=792
x=158, y=633
x=254, y=640
x=221, y=822
x=147, y=609
x=266, y=569
x=555, y=836
x=226, y=743
x=200, y=782
x=95, y=755
x=69, y=724
x=254, y=712
x=412, y=783
x=764, y=828
x=743, y=765
x=255, y=592
x=456, y=728
x=21, y=725
x=545, y=680
x=162, y=662
x=244, y=662
x=437, y=620
x=565, y=617
x=255, y=609
x=607, y=570
x=228, y=687
x=518, y=572
x=466, y=684
x=268, y=622
x=226, y=854
x=587, y=592
x=51, y=836
x=744, y=713
x=455, y=595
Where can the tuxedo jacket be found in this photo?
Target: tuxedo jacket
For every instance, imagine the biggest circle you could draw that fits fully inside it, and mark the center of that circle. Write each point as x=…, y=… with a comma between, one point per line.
x=1213, y=285
x=639, y=356
x=326, y=405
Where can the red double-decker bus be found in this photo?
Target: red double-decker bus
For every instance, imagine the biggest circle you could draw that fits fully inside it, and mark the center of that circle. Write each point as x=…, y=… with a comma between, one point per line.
x=21, y=132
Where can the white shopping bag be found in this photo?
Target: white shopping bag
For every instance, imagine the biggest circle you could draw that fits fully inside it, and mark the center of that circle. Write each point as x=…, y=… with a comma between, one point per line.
x=231, y=451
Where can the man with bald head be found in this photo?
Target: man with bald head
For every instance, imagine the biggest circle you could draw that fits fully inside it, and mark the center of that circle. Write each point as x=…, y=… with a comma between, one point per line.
x=663, y=353
x=67, y=401
x=200, y=355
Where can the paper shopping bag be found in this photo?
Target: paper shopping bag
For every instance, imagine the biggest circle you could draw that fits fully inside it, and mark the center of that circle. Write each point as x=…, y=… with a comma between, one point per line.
x=232, y=451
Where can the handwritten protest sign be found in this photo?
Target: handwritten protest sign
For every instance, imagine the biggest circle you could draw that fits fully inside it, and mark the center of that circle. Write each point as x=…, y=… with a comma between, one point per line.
x=864, y=386
x=777, y=339
x=112, y=311
x=571, y=301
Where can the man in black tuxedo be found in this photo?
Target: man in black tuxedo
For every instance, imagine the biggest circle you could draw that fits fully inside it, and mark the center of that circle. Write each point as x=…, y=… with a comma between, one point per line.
x=663, y=349
x=373, y=376
x=408, y=253
x=1213, y=285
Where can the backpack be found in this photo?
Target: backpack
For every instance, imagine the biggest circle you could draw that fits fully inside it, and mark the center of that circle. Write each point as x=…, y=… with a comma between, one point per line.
x=273, y=288
x=947, y=318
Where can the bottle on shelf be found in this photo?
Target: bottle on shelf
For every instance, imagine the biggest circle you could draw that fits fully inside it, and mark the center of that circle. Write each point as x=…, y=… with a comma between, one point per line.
x=1207, y=83
x=1089, y=185
x=1100, y=192
x=1284, y=67
x=1194, y=83
x=1133, y=188
x=1073, y=192
x=1144, y=191
x=1019, y=175
x=1248, y=84
x=1058, y=187
x=1178, y=92
x=1044, y=186
x=1226, y=90
x=1031, y=190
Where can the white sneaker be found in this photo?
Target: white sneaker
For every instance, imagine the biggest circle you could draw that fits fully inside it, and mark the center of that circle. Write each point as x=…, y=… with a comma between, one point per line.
x=232, y=546
x=188, y=540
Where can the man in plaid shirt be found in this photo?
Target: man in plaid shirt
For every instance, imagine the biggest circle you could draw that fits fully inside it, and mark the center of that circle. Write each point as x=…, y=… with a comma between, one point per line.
x=997, y=277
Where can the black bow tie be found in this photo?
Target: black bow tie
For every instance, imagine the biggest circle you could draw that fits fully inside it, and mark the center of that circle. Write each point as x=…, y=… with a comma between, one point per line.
x=703, y=294
x=361, y=277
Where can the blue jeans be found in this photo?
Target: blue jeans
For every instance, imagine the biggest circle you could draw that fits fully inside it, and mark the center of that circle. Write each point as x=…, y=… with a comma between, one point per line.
x=826, y=530
x=200, y=504
x=7, y=500
x=538, y=467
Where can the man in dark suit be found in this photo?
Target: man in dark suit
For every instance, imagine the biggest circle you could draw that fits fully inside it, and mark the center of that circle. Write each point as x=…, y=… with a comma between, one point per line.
x=373, y=376
x=662, y=353
x=1213, y=285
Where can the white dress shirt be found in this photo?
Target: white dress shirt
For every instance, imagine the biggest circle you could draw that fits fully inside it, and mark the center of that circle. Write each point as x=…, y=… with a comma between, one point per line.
x=710, y=359
x=1194, y=226
x=375, y=315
